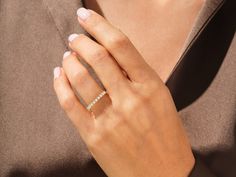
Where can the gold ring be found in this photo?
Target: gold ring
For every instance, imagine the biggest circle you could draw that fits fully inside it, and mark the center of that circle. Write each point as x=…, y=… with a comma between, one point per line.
x=90, y=105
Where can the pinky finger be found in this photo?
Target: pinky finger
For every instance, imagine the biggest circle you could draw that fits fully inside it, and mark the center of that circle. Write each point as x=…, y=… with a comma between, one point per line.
x=78, y=114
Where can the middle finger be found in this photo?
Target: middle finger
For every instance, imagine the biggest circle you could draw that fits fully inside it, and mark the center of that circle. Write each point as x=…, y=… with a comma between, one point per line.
x=101, y=61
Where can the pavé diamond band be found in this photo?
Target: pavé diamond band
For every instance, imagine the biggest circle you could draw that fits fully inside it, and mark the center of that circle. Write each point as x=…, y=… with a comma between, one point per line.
x=96, y=100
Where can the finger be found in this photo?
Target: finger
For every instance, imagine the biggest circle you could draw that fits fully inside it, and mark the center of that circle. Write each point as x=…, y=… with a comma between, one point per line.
x=101, y=61
x=116, y=43
x=68, y=101
x=84, y=83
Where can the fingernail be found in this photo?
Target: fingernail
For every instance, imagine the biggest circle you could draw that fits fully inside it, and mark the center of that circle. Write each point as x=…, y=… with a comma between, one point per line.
x=72, y=37
x=83, y=13
x=57, y=72
x=66, y=54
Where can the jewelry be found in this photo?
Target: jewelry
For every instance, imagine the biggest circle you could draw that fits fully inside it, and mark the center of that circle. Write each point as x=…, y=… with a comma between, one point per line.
x=96, y=100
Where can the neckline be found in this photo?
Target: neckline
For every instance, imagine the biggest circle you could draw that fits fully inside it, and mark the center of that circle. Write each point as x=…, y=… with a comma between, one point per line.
x=209, y=9
x=63, y=15
x=202, y=59
x=64, y=18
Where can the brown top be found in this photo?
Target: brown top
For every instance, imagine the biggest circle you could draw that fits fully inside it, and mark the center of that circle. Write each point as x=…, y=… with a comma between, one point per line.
x=37, y=138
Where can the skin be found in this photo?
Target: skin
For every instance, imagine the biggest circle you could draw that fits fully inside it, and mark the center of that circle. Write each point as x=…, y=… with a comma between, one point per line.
x=136, y=130
x=166, y=23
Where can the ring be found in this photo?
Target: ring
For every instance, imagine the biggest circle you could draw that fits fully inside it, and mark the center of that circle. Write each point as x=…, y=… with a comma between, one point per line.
x=96, y=100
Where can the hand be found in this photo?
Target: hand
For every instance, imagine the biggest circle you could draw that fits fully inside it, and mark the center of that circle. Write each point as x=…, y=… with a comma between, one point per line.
x=135, y=130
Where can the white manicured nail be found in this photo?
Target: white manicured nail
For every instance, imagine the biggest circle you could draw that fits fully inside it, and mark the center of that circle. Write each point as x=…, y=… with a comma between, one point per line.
x=83, y=13
x=66, y=54
x=57, y=72
x=72, y=37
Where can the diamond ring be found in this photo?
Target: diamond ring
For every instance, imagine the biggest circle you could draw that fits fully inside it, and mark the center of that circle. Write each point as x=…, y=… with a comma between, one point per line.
x=96, y=100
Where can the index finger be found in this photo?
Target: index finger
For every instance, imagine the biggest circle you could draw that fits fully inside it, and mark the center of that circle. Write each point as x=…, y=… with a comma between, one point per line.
x=116, y=42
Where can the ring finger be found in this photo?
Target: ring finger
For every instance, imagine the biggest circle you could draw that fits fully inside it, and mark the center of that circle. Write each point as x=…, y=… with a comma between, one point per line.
x=83, y=83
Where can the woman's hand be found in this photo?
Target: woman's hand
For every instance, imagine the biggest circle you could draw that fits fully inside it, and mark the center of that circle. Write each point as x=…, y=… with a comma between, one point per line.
x=134, y=130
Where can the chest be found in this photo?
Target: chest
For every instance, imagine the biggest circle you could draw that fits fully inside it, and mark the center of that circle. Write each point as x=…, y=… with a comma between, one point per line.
x=157, y=29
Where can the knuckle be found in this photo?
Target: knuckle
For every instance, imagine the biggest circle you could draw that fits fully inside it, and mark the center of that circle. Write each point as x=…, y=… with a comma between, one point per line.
x=99, y=55
x=96, y=141
x=80, y=77
x=68, y=102
x=133, y=104
x=117, y=41
x=151, y=88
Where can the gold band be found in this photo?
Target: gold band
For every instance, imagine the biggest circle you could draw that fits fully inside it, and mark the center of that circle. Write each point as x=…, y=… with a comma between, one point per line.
x=96, y=100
